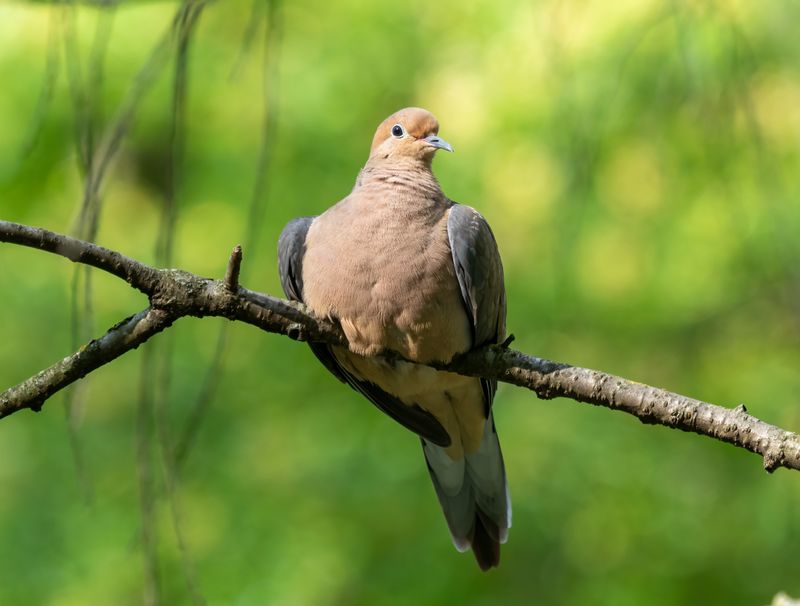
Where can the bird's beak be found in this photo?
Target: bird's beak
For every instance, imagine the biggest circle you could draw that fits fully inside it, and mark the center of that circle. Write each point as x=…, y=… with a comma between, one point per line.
x=438, y=143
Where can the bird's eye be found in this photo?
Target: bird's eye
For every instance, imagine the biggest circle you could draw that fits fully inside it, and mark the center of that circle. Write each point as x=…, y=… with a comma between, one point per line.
x=398, y=131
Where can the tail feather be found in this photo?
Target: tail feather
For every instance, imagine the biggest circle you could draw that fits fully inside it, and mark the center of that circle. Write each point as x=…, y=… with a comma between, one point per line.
x=474, y=496
x=487, y=473
x=485, y=545
x=455, y=494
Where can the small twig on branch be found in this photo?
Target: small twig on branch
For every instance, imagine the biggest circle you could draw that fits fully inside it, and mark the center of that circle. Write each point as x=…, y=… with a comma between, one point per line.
x=174, y=294
x=234, y=267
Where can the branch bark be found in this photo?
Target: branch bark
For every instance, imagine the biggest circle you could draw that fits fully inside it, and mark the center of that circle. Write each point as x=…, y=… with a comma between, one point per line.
x=174, y=294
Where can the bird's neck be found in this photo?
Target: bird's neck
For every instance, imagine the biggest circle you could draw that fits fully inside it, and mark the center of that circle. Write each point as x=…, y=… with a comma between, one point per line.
x=404, y=173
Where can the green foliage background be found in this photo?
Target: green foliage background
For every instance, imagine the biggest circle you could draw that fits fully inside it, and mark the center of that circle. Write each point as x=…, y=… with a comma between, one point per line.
x=638, y=161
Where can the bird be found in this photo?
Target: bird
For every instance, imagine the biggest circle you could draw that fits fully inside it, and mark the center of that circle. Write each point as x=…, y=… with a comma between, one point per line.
x=405, y=270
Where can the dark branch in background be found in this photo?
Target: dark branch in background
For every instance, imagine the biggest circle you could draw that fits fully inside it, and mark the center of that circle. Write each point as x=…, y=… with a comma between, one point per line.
x=174, y=294
x=156, y=369
x=268, y=11
x=249, y=35
x=85, y=93
x=269, y=100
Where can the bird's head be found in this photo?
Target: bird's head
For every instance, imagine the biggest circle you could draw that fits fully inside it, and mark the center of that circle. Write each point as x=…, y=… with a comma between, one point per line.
x=409, y=134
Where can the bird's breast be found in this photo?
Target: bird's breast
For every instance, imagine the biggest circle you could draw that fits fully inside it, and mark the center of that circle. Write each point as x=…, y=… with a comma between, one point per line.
x=387, y=275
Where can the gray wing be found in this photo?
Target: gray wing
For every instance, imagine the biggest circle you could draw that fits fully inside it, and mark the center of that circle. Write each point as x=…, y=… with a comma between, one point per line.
x=480, y=278
x=291, y=249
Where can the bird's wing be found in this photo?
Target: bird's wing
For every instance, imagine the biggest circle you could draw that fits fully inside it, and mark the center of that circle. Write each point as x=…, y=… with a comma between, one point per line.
x=291, y=249
x=480, y=278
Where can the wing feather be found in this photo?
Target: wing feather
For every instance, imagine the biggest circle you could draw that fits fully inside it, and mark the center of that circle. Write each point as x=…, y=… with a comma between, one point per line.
x=480, y=278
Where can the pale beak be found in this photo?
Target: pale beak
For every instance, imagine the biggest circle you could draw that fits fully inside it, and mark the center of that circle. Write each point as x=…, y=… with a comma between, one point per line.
x=438, y=143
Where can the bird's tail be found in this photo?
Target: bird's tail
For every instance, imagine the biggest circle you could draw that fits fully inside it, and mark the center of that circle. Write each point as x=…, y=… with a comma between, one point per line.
x=474, y=496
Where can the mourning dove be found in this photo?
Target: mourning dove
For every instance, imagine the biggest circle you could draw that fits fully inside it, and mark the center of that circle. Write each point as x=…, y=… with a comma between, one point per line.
x=404, y=269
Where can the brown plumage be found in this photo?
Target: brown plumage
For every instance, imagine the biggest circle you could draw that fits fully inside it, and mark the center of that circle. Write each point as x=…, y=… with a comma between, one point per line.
x=405, y=269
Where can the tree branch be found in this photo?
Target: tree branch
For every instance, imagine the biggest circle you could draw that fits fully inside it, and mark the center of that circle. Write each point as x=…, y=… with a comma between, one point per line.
x=138, y=275
x=127, y=335
x=174, y=294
